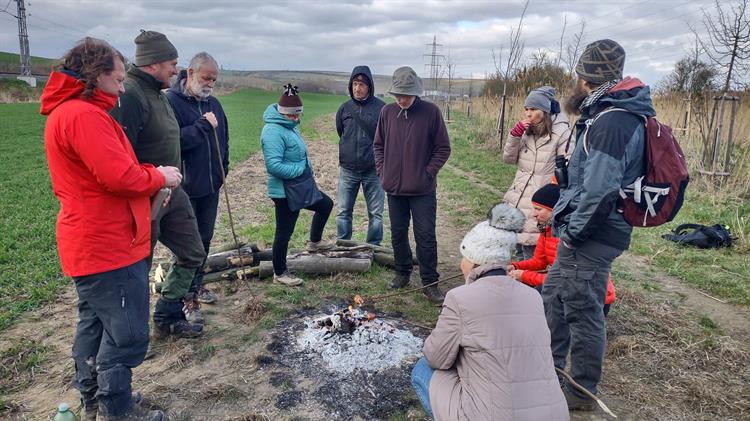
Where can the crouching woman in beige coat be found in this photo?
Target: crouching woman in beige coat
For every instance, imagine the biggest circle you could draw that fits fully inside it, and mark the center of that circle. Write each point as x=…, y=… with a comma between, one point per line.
x=489, y=356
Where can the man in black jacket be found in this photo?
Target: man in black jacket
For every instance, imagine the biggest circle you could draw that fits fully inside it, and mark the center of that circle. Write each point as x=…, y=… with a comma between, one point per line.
x=356, y=121
x=204, y=144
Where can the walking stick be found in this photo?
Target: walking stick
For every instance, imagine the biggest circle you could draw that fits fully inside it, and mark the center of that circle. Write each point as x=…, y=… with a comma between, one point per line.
x=241, y=272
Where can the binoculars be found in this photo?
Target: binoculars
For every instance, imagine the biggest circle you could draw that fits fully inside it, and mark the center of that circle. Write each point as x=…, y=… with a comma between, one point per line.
x=561, y=171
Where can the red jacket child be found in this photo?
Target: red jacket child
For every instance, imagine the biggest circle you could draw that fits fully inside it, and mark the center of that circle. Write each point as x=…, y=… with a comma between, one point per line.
x=528, y=271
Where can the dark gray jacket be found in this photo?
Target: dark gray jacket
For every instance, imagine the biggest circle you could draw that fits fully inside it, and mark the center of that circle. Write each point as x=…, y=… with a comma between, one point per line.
x=355, y=145
x=611, y=158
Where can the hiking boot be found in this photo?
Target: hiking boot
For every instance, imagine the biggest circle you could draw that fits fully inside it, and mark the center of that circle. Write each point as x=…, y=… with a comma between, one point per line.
x=192, y=309
x=313, y=246
x=399, y=281
x=206, y=296
x=136, y=413
x=179, y=329
x=91, y=406
x=287, y=279
x=434, y=295
x=576, y=403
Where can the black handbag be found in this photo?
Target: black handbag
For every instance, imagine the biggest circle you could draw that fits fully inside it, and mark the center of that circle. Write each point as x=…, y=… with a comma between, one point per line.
x=301, y=191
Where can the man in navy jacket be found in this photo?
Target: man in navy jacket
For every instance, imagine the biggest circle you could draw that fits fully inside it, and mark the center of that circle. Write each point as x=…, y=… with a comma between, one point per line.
x=204, y=142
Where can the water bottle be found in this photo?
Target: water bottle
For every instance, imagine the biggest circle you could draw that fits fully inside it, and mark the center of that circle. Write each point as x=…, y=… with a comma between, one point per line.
x=64, y=413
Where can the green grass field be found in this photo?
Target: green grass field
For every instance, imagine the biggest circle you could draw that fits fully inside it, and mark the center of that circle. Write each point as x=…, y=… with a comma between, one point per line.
x=29, y=267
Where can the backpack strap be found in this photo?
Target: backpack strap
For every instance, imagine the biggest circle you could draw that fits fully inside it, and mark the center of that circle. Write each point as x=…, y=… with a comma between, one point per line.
x=681, y=228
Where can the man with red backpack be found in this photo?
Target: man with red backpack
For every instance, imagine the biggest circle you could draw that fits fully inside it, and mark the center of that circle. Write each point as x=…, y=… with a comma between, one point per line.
x=592, y=231
x=532, y=272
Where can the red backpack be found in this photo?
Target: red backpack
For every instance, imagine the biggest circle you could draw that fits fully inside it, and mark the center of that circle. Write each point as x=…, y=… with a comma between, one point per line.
x=655, y=197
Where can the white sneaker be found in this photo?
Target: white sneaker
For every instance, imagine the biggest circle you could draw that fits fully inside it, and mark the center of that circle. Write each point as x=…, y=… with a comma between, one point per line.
x=287, y=279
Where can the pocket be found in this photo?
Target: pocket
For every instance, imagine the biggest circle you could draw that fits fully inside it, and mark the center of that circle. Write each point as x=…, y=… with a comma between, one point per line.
x=577, y=288
x=121, y=330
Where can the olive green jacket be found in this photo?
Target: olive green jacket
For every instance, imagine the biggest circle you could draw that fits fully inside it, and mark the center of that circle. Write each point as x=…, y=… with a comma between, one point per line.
x=147, y=118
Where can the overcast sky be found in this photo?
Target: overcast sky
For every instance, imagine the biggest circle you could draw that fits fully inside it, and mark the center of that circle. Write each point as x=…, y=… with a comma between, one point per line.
x=385, y=34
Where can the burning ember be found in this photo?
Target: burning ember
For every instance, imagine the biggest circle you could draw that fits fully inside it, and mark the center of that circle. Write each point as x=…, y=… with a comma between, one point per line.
x=352, y=338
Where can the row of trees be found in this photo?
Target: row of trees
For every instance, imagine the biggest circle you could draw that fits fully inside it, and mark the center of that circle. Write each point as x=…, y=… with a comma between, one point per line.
x=718, y=61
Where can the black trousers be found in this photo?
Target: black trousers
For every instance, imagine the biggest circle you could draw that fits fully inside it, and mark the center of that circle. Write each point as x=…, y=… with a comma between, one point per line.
x=423, y=211
x=112, y=334
x=205, y=209
x=285, y=222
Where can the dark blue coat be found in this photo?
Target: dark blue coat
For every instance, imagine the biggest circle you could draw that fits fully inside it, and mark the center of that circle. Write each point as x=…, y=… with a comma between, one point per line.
x=355, y=145
x=201, y=164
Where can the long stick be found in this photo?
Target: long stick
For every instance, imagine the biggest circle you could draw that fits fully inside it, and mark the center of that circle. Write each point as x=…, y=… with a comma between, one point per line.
x=585, y=392
x=226, y=199
x=380, y=297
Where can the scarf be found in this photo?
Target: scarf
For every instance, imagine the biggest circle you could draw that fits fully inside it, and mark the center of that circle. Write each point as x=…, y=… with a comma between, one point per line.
x=597, y=94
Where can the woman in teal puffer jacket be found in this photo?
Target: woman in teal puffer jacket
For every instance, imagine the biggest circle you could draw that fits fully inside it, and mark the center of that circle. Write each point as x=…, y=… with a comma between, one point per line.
x=285, y=155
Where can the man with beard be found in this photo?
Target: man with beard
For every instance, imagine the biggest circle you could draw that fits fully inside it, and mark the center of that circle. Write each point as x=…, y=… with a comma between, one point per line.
x=204, y=144
x=150, y=124
x=586, y=219
x=356, y=121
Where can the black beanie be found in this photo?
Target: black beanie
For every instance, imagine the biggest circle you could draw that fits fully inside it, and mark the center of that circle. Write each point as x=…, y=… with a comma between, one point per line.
x=602, y=61
x=153, y=47
x=290, y=102
x=546, y=196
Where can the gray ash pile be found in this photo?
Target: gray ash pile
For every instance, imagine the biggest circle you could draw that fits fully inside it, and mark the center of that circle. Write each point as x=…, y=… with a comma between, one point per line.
x=352, y=339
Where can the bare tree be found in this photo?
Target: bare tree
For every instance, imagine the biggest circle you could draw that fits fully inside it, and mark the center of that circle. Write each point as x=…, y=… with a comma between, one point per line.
x=728, y=41
x=505, y=68
x=573, y=50
x=562, y=37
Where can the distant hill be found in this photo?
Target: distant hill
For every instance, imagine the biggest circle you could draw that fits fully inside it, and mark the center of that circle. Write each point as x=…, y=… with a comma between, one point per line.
x=308, y=81
x=11, y=63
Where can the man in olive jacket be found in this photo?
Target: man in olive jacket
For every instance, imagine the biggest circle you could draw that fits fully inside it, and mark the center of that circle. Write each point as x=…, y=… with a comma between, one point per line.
x=411, y=145
x=147, y=118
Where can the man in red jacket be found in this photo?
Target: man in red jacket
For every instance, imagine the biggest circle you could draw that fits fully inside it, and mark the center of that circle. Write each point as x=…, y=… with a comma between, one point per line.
x=411, y=145
x=103, y=227
x=530, y=271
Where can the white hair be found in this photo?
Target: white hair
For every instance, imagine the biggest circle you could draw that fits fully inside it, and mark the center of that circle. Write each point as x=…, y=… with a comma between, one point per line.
x=200, y=59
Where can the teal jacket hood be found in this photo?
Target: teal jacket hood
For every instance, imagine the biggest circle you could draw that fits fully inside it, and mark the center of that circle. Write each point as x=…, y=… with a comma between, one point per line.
x=273, y=116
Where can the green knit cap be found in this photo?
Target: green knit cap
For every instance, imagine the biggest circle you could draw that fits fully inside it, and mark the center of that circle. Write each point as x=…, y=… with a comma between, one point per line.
x=153, y=47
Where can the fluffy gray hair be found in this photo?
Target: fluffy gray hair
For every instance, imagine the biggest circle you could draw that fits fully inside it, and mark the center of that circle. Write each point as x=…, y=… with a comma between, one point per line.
x=200, y=59
x=505, y=217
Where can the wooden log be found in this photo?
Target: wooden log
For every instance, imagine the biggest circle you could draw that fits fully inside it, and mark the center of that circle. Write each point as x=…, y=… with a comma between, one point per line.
x=228, y=259
x=317, y=264
x=354, y=243
x=230, y=274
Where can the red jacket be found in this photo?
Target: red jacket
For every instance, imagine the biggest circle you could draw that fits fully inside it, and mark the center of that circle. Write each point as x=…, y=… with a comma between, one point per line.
x=544, y=255
x=104, y=221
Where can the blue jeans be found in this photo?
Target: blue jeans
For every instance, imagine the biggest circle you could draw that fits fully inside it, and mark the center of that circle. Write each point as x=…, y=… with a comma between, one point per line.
x=421, y=375
x=349, y=182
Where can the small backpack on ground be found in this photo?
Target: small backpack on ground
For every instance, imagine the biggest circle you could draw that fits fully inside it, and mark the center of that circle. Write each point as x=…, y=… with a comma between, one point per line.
x=655, y=197
x=701, y=236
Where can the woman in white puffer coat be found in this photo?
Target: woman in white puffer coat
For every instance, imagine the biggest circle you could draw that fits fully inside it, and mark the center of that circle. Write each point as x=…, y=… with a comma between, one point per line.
x=533, y=144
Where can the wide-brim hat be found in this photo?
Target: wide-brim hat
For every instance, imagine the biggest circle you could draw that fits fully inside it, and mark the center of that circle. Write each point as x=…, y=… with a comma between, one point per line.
x=406, y=82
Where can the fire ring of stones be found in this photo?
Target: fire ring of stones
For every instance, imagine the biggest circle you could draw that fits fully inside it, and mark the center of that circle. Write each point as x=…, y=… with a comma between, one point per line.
x=351, y=361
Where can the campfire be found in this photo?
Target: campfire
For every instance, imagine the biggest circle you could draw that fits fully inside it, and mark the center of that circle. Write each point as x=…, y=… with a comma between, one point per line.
x=352, y=338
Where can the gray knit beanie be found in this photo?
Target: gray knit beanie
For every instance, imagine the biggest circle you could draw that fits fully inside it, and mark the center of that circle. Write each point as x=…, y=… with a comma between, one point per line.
x=602, y=61
x=153, y=47
x=406, y=82
x=541, y=99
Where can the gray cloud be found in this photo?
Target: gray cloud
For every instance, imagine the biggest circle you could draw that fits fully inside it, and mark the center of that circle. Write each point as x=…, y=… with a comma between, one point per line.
x=327, y=35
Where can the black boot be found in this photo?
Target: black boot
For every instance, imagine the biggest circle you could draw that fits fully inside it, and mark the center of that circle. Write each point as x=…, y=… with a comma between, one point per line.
x=434, y=295
x=399, y=281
